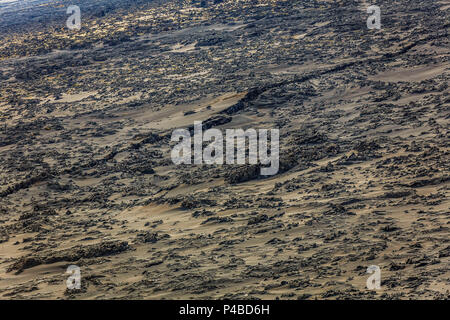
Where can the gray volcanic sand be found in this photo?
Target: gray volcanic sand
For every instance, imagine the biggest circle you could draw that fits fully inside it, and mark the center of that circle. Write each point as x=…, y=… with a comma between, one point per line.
x=86, y=176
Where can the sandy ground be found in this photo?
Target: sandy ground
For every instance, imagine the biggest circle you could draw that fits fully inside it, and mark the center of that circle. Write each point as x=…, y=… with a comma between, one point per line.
x=86, y=177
